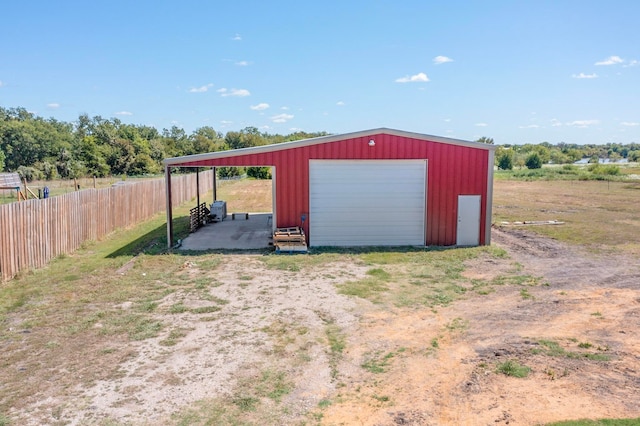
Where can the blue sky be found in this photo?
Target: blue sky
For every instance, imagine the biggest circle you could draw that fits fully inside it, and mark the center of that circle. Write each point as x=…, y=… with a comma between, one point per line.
x=516, y=71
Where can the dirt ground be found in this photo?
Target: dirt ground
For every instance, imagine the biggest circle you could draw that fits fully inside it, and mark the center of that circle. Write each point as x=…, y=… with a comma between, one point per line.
x=588, y=299
x=440, y=368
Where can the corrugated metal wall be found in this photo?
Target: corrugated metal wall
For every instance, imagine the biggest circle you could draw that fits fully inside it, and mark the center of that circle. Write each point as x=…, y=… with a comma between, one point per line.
x=452, y=170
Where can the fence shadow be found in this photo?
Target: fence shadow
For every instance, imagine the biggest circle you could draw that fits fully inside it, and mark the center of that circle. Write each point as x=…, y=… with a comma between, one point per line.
x=153, y=242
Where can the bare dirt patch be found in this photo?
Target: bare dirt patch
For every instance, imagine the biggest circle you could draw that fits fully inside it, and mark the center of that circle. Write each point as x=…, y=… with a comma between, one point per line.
x=282, y=346
x=586, y=302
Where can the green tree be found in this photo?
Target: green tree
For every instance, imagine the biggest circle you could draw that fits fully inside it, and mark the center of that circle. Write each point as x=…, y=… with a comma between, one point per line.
x=559, y=157
x=259, y=172
x=505, y=159
x=121, y=156
x=245, y=138
x=206, y=139
x=29, y=173
x=143, y=164
x=48, y=169
x=88, y=152
x=533, y=161
x=229, y=172
x=486, y=140
x=2, y=157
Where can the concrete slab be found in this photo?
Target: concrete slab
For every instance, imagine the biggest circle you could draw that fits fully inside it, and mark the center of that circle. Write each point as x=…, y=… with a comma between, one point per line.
x=241, y=233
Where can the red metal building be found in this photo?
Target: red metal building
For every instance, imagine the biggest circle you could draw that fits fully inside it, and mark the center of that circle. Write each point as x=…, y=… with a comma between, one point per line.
x=374, y=187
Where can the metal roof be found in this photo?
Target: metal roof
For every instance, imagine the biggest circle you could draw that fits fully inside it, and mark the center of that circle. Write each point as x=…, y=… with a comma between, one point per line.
x=177, y=161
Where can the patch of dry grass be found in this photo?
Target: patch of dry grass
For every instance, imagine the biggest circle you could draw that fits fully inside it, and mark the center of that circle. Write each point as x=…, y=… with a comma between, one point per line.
x=597, y=214
x=246, y=195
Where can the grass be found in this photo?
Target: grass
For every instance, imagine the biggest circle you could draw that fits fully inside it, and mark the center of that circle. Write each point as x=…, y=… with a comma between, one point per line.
x=457, y=325
x=513, y=369
x=415, y=277
x=554, y=349
x=367, y=288
x=79, y=308
x=598, y=215
x=253, y=401
x=524, y=293
x=337, y=343
x=571, y=172
x=377, y=363
x=79, y=302
x=174, y=337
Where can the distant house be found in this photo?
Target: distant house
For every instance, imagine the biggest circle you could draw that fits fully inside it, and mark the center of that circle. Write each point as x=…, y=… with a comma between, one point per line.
x=375, y=187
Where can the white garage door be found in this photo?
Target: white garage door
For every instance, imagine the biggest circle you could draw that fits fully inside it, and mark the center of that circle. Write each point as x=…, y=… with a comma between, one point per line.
x=367, y=202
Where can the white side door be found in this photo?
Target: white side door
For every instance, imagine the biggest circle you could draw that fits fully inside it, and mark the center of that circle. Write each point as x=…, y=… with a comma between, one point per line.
x=468, y=229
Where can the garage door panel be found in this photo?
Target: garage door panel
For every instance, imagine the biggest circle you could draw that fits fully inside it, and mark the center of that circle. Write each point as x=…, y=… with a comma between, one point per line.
x=367, y=202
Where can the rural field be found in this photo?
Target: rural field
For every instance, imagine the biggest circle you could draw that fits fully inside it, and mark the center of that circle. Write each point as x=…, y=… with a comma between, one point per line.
x=542, y=326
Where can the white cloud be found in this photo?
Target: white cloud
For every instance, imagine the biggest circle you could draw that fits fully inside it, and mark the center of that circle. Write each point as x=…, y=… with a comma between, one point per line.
x=201, y=89
x=481, y=124
x=530, y=126
x=243, y=63
x=1, y=83
x=583, y=75
x=629, y=124
x=225, y=122
x=340, y=103
x=611, y=60
x=582, y=123
x=284, y=108
x=236, y=37
x=53, y=105
x=555, y=122
x=441, y=60
x=234, y=92
x=632, y=63
x=124, y=113
x=259, y=107
x=418, y=78
x=281, y=118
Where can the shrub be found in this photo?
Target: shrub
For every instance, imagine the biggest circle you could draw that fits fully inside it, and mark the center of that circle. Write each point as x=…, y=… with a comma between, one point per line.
x=259, y=172
x=533, y=161
x=29, y=173
x=514, y=369
x=505, y=161
x=604, y=169
x=229, y=172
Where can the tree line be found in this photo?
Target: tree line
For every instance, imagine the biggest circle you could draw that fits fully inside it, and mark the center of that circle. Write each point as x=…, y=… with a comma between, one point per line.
x=533, y=156
x=39, y=148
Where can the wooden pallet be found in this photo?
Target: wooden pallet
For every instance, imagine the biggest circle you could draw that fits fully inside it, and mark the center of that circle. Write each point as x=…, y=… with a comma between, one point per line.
x=289, y=235
x=291, y=247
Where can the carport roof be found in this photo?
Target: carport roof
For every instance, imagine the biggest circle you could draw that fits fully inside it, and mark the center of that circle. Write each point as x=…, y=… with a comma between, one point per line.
x=180, y=161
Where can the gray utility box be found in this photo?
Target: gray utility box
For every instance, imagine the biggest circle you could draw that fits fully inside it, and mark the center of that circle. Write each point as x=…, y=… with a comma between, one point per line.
x=218, y=211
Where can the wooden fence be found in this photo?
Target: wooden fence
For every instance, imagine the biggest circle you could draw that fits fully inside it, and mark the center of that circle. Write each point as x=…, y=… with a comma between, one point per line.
x=35, y=231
